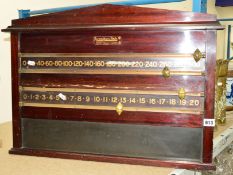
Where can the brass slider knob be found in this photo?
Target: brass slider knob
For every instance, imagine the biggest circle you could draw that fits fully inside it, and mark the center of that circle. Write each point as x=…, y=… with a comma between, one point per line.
x=220, y=84
x=166, y=72
x=119, y=108
x=181, y=93
x=197, y=55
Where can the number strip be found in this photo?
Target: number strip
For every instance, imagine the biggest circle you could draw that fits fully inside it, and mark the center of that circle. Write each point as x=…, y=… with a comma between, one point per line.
x=21, y=88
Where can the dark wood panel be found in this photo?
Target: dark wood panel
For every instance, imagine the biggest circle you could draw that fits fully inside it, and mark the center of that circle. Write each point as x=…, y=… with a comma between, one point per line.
x=134, y=41
x=127, y=82
x=152, y=118
x=210, y=92
x=15, y=91
x=115, y=159
x=114, y=14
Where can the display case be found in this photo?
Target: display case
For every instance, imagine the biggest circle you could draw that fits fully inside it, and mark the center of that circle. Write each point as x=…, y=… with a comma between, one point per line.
x=115, y=84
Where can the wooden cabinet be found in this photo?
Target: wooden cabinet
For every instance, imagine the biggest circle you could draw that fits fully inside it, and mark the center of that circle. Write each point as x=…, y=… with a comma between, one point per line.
x=115, y=84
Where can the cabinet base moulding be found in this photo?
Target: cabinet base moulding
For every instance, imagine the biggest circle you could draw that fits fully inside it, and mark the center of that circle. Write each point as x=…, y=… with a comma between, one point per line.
x=113, y=159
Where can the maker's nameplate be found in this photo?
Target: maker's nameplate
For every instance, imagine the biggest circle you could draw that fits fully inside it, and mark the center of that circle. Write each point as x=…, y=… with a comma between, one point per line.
x=111, y=64
x=107, y=99
x=107, y=40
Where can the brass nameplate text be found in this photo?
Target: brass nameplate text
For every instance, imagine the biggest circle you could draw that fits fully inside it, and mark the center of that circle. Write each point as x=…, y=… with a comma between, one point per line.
x=107, y=40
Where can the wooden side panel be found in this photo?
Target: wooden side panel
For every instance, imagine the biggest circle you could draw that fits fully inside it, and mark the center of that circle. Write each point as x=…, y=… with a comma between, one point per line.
x=210, y=91
x=15, y=91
